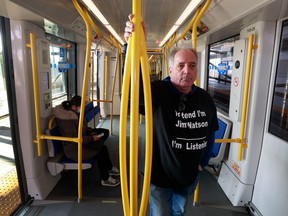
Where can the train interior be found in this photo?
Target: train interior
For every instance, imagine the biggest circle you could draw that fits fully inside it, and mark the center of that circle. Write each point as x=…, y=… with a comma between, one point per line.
x=242, y=63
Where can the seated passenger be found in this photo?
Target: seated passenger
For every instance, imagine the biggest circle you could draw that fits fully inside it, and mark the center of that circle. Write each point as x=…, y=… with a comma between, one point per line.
x=67, y=119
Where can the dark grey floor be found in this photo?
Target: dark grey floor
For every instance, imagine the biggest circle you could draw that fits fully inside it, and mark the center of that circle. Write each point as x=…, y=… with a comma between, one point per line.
x=99, y=200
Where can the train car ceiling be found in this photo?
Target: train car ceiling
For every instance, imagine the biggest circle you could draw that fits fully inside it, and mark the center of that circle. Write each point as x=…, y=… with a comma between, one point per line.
x=159, y=18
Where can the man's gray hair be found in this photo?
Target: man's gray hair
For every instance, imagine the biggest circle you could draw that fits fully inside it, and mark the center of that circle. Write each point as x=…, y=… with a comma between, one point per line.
x=175, y=50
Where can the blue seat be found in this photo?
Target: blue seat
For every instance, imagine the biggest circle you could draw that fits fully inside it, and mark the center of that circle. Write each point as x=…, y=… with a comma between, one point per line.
x=58, y=161
x=223, y=132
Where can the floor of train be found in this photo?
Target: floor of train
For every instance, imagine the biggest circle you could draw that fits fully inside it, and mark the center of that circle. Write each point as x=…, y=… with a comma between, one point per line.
x=99, y=200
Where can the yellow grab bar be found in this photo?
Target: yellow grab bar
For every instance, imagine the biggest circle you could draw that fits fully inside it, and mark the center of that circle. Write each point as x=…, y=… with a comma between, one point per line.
x=189, y=26
x=32, y=45
x=133, y=59
x=198, y=16
x=122, y=132
x=245, y=96
x=84, y=89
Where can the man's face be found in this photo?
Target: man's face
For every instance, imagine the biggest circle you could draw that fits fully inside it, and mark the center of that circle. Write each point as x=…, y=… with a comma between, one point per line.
x=184, y=71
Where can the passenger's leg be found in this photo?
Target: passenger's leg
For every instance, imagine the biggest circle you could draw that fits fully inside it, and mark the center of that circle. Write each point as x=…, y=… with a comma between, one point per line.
x=180, y=198
x=104, y=162
x=160, y=201
x=102, y=130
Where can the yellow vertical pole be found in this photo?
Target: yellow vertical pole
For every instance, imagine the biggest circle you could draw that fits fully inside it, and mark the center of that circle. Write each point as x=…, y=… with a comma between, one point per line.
x=198, y=14
x=32, y=45
x=134, y=109
x=84, y=89
x=194, y=28
x=105, y=77
x=122, y=133
x=245, y=96
x=196, y=195
x=133, y=59
x=113, y=90
x=148, y=126
x=93, y=77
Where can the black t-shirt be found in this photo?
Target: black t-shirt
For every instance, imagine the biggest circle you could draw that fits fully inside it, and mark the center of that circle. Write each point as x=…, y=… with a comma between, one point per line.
x=181, y=129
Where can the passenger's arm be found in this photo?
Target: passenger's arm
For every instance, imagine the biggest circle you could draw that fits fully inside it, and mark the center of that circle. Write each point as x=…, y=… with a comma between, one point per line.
x=208, y=152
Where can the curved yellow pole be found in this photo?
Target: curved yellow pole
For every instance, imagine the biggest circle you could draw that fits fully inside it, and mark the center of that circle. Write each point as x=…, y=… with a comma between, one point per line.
x=112, y=93
x=134, y=108
x=148, y=126
x=194, y=28
x=196, y=22
x=133, y=59
x=96, y=29
x=122, y=132
x=189, y=25
x=32, y=45
x=84, y=88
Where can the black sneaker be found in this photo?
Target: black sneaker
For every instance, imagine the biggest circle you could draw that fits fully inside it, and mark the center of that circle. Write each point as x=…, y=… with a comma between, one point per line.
x=114, y=171
x=110, y=182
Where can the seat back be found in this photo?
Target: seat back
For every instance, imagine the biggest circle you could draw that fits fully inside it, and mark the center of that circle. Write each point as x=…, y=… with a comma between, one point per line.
x=58, y=161
x=223, y=132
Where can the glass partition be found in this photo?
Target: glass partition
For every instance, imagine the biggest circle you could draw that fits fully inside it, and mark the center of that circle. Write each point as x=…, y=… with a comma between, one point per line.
x=278, y=124
x=220, y=60
x=63, y=68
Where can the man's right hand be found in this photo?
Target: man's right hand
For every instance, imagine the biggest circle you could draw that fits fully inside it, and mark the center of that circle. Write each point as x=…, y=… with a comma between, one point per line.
x=130, y=28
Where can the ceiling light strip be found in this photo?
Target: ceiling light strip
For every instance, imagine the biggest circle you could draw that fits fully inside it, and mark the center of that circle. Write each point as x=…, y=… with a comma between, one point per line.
x=99, y=15
x=187, y=12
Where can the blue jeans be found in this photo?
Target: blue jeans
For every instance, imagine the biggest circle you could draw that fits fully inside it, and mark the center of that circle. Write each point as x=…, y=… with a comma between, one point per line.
x=168, y=201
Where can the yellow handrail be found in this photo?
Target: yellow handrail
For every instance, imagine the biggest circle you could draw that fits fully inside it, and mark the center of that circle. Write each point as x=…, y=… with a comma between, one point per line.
x=105, y=77
x=194, y=28
x=94, y=27
x=32, y=45
x=133, y=59
x=92, y=75
x=241, y=140
x=148, y=126
x=84, y=89
x=245, y=96
x=189, y=25
x=122, y=132
x=112, y=93
x=196, y=22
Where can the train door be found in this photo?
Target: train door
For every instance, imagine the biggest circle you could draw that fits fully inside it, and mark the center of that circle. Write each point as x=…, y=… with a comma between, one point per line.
x=270, y=193
x=238, y=174
x=11, y=181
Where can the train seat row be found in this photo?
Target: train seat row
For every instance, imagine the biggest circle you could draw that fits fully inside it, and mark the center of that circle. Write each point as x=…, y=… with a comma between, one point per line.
x=57, y=161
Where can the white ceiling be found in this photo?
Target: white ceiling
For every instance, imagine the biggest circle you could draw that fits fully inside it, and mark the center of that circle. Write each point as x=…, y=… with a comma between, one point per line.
x=159, y=15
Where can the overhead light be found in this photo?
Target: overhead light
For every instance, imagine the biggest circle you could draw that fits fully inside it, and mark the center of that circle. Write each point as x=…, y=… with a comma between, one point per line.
x=169, y=34
x=99, y=15
x=187, y=12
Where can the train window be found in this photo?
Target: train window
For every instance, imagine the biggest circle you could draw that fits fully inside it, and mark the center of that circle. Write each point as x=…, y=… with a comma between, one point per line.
x=278, y=124
x=220, y=59
x=62, y=61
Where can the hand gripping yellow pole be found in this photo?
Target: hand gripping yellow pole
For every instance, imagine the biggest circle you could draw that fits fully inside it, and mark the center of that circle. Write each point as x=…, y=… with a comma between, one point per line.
x=133, y=58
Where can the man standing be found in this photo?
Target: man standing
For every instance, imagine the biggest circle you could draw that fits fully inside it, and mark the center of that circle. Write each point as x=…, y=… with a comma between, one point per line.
x=185, y=120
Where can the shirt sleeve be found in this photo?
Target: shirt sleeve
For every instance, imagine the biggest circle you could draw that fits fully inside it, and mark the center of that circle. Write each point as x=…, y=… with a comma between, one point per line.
x=208, y=153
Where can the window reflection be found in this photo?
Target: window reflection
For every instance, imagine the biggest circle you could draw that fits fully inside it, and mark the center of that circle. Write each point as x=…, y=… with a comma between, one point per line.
x=279, y=113
x=220, y=72
x=62, y=64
